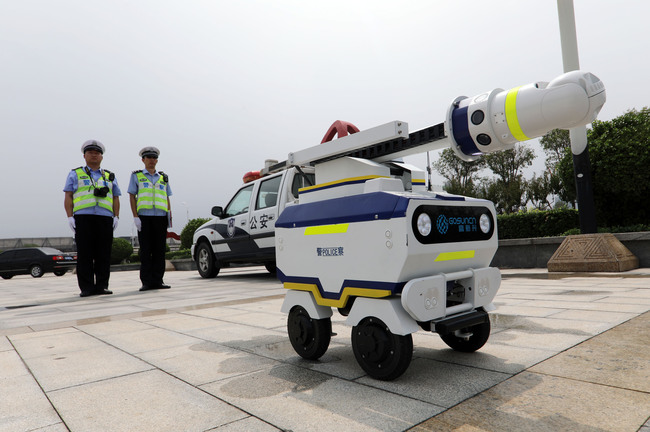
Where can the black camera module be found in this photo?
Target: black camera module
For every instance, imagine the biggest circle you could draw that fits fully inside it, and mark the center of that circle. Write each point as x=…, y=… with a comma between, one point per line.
x=101, y=192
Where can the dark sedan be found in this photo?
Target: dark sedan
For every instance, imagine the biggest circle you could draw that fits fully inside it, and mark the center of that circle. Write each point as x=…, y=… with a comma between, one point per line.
x=35, y=261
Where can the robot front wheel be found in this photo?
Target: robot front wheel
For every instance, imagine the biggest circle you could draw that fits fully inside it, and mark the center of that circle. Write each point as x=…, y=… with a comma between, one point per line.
x=309, y=337
x=468, y=339
x=382, y=354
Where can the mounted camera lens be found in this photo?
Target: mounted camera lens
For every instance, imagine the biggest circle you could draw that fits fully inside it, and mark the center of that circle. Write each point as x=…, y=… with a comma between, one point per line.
x=101, y=192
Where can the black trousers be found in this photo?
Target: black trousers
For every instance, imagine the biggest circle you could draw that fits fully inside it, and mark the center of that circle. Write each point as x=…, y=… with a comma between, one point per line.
x=152, y=239
x=94, y=238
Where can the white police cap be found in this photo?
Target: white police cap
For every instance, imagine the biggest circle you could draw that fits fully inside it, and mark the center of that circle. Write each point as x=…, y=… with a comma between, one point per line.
x=92, y=145
x=149, y=151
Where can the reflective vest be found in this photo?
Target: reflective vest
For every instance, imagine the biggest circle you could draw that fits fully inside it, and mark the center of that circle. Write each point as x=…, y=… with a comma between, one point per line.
x=84, y=196
x=151, y=195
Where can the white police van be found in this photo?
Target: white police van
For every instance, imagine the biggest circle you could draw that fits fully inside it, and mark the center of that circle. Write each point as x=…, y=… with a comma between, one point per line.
x=244, y=231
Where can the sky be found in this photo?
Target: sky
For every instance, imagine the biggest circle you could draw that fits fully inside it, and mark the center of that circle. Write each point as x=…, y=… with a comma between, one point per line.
x=220, y=86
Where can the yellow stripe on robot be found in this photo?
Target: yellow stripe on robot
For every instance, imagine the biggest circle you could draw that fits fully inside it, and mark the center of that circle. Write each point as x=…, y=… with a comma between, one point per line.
x=450, y=256
x=327, y=229
x=345, y=294
x=511, y=115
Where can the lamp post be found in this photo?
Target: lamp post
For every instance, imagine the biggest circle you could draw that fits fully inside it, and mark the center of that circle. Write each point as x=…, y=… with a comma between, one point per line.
x=578, y=136
x=187, y=211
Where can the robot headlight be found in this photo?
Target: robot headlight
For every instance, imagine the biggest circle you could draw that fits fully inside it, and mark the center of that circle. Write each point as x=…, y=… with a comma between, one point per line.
x=485, y=223
x=424, y=224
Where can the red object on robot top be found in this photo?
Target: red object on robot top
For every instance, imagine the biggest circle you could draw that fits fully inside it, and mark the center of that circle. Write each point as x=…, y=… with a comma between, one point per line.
x=340, y=128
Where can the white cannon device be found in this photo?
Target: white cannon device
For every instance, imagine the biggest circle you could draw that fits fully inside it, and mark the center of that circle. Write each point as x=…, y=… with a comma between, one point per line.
x=370, y=240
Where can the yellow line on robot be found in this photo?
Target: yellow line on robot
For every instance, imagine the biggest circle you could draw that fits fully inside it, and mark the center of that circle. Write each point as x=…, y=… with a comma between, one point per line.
x=327, y=229
x=511, y=115
x=450, y=256
x=345, y=294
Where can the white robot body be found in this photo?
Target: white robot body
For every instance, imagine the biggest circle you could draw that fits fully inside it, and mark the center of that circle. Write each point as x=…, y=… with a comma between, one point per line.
x=371, y=241
x=368, y=245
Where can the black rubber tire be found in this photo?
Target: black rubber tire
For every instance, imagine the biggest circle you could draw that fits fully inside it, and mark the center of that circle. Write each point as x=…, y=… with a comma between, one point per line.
x=6, y=276
x=271, y=268
x=206, y=263
x=309, y=337
x=59, y=272
x=36, y=270
x=480, y=335
x=383, y=355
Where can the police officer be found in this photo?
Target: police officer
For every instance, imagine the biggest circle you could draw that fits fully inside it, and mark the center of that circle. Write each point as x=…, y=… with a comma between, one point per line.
x=93, y=207
x=149, y=194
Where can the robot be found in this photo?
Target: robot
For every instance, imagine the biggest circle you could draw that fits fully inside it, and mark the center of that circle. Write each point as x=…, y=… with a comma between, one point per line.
x=370, y=240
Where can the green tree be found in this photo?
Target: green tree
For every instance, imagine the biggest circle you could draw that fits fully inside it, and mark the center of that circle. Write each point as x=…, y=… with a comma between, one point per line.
x=556, y=144
x=462, y=177
x=619, y=150
x=120, y=250
x=508, y=190
x=188, y=231
x=539, y=190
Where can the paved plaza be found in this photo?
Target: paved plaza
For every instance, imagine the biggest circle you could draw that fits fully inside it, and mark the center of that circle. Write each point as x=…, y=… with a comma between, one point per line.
x=567, y=352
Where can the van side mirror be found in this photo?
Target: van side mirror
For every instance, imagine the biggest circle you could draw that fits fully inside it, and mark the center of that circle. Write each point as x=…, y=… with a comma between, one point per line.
x=217, y=211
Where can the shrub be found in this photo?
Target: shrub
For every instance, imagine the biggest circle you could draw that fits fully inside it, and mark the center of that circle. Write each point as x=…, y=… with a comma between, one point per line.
x=121, y=250
x=537, y=223
x=179, y=254
x=188, y=231
x=134, y=258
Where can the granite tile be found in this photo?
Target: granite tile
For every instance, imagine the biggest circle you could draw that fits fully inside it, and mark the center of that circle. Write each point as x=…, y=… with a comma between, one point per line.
x=24, y=406
x=292, y=398
x=146, y=401
x=534, y=402
x=618, y=358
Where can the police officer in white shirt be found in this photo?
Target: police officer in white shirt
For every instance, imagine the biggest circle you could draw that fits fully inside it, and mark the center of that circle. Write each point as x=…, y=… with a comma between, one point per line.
x=149, y=194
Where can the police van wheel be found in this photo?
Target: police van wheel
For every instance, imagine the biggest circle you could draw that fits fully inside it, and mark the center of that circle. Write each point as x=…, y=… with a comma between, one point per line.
x=479, y=336
x=271, y=268
x=382, y=354
x=309, y=337
x=206, y=263
x=36, y=271
x=59, y=272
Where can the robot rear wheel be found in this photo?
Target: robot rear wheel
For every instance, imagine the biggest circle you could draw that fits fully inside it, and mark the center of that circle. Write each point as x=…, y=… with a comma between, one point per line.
x=468, y=339
x=382, y=354
x=309, y=337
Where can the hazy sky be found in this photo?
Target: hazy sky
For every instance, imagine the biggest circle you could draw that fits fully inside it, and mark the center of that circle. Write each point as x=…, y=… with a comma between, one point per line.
x=220, y=86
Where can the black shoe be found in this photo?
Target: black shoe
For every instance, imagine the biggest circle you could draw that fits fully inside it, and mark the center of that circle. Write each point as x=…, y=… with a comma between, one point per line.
x=146, y=288
x=103, y=292
x=163, y=286
x=88, y=293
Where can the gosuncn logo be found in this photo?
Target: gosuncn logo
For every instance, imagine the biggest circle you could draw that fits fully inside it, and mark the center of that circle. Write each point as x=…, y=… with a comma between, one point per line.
x=443, y=223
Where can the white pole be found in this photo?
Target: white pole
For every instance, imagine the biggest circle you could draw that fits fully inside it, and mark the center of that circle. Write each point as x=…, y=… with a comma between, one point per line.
x=578, y=136
x=568, y=38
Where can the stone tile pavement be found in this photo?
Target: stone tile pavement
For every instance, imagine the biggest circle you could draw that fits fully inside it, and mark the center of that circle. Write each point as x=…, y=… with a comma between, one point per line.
x=567, y=352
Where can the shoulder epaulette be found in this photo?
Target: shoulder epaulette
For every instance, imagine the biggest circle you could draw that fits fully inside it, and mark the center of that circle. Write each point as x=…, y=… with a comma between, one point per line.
x=136, y=171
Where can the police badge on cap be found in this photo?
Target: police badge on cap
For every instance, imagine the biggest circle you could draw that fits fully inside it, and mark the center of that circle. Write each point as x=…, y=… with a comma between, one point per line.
x=150, y=152
x=92, y=145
